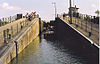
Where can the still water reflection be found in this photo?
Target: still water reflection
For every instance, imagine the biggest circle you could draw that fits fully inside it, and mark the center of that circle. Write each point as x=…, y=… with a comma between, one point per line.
x=47, y=52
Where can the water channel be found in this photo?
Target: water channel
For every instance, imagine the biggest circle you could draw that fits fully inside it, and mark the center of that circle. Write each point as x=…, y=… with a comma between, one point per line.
x=50, y=51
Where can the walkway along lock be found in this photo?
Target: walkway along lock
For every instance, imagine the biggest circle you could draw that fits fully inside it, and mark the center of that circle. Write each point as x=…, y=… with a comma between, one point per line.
x=88, y=25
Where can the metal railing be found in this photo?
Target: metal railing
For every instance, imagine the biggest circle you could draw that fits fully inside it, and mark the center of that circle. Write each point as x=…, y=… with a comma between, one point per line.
x=90, y=25
x=8, y=32
x=4, y=21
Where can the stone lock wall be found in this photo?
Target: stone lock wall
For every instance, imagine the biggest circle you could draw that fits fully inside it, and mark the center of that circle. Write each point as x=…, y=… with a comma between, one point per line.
x=27, y=37
x=22, y=40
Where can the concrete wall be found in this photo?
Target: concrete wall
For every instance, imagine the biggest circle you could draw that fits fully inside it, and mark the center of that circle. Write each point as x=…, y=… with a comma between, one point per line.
x=72, y=38
x=22, y=40
x=14, y=27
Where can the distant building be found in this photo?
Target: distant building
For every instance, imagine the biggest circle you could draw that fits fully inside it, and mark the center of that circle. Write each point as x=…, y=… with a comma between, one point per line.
x=74, y=9
x=18, y=16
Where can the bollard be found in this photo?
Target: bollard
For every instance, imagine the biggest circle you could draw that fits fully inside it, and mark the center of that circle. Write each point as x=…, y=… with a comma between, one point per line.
x=76, y=25
x=21, y=25
x=90, y=34
x=9, y=36
x=70, y=22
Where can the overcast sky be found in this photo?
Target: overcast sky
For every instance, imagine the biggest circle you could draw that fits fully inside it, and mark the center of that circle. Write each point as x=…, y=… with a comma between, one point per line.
x=45, y=8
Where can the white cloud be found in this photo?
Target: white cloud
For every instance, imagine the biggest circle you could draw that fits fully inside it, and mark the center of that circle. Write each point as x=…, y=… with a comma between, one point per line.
x=94, y=6
x=6, y=6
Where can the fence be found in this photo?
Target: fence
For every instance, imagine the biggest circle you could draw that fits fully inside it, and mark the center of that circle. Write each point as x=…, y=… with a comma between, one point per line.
x=87, y=23
x=4, y=21
x=10, y=30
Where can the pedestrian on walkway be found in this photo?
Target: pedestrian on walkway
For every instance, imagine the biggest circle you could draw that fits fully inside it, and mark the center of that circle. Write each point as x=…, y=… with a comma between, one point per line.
x=29, y=17
x=26, y=16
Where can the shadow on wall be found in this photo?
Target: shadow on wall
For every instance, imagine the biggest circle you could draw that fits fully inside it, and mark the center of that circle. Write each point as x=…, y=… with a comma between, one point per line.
x=71, y=38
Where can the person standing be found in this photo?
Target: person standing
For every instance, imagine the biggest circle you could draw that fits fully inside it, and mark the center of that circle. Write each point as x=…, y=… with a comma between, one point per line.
x=26, y=16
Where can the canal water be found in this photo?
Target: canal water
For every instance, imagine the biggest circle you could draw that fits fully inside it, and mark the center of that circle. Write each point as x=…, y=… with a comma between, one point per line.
x=50, y=51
